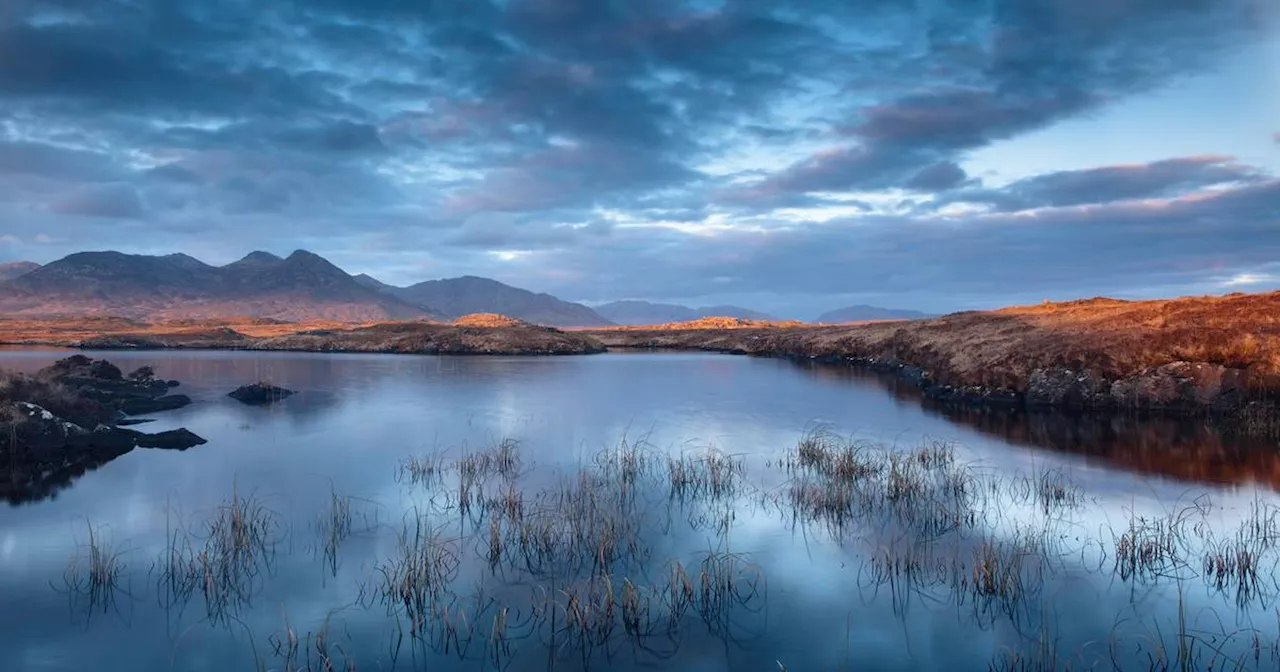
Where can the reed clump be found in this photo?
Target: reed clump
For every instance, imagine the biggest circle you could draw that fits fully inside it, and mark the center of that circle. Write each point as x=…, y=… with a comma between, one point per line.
x=417, y=578
x=227, y=561
x=95, y=574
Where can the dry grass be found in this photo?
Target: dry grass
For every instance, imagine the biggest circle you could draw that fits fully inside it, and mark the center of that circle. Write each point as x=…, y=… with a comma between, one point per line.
x=226, y=561
x=94, y=576
x=489, y=320
x=50, y=395
x=713, y=323
x=1001, y=349
x=416, y=336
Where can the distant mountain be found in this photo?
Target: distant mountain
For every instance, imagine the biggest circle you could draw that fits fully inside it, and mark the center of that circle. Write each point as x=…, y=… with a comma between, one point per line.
x=15, y=268
x=456, y=297
x=302, y=286
x=865, y=313
x=644, y=312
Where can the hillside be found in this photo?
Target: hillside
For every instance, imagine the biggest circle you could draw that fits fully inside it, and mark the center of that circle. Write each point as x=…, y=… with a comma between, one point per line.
x=455, y=297
x=13, y=269
x=302, y=286
x=862, y=313
x=631, y=313
x=1205, y=353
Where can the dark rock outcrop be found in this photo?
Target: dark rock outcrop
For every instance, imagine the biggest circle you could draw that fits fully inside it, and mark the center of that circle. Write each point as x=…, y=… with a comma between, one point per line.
x=68, y=419
x=174, y=439
x=259, y=394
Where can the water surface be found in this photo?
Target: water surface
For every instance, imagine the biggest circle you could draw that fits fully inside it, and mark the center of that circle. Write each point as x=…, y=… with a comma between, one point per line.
x=807, y=594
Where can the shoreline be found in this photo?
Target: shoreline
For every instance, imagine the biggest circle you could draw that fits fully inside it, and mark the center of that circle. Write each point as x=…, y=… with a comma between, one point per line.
x=1199, y=356
x=965, y=397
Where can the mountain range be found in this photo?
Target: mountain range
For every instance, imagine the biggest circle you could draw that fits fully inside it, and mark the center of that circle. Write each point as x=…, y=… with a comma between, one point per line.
x=301, y=286
x=306, y=286
x=470, y=294
x=644, y=312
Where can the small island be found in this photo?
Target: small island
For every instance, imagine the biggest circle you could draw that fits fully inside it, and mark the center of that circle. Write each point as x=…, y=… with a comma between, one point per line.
x=72, y=416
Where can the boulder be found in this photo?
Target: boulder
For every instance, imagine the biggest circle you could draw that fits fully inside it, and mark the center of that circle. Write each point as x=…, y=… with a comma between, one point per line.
x=37, y=429
x=105, y=370
x=174, y=439
x=105, y=439
x=259, y=394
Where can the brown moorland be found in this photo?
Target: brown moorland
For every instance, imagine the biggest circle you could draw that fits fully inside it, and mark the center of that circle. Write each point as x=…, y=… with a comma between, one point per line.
x=490, y=320
x=1193, y=353
x=703, y=323
x=1189, y=353
x=408, y=337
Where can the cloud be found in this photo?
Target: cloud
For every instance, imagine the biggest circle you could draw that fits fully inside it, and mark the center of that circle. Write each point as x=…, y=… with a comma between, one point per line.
x=1160, y=242
x=650, y=148
x=940, y=176
x=54, y=162
x=112, y=201
x=1106, y=184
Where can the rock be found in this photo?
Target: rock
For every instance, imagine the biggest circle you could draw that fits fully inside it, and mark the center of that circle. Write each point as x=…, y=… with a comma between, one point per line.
x=126, y=422
x=172, y=383
x=1067, y=388
x=142, y=406
x=174, y=439
x=105, y=370
x=143, y=373
x=1180, y=385
x=104, y=438
x=259, y=394
x=38, y=429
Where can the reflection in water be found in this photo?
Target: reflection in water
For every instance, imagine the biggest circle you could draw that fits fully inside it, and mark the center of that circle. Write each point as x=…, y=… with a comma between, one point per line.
x=378, y=518
x=23, y=483
x=1185, y=448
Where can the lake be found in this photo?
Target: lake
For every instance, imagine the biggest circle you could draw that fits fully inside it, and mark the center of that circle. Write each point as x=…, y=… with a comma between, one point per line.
x=635, y=511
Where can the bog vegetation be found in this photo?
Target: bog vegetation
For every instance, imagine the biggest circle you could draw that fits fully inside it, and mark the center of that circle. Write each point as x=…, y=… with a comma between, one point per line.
x=641, y=552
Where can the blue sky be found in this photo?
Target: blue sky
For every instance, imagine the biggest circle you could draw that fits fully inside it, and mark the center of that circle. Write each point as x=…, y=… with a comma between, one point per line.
x=929, y=155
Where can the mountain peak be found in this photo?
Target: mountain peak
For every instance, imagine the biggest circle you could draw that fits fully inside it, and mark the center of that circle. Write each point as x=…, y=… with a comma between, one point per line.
x=260, y=257
x=305, y=286
x=299, y=255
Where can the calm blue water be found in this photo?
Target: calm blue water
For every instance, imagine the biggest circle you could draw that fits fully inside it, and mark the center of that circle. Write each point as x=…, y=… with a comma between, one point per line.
x=815, y=601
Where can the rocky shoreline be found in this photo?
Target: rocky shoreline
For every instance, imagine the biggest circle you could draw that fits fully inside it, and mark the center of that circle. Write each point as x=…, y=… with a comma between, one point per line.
x=1176, y=387
x=74, y=416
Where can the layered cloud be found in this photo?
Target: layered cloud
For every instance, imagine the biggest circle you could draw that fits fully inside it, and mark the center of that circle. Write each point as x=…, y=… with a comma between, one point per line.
x=674, y=148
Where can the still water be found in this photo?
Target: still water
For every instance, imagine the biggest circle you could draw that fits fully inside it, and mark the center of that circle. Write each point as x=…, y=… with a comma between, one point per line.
x=1085, y=540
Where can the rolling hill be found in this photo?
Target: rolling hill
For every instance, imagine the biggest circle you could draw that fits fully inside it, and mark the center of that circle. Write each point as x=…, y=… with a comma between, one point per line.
x=867, y=314
x=455, y=297
x=632, y=313
x=13, y=269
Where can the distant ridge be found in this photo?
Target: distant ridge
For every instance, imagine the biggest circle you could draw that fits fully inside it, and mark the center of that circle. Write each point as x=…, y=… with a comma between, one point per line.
x=456, y=297
x=637, y=313
x=302, y=286
x=13, y=269
x=868, y=313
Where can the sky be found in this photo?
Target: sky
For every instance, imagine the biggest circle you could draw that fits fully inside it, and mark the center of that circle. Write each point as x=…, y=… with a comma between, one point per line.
x=792, y=157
